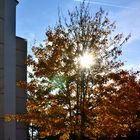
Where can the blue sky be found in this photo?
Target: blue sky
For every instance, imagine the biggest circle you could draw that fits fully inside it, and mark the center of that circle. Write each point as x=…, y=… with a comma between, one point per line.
x=34, y=16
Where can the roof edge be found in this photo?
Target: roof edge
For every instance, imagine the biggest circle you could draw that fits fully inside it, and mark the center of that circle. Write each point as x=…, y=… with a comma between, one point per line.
x=17, y=2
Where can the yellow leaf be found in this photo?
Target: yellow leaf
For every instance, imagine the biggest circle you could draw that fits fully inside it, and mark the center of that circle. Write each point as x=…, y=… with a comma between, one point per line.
x=65, y=136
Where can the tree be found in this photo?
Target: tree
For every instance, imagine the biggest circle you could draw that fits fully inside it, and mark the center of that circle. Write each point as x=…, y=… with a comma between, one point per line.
x=61, y=94
x=118, y=113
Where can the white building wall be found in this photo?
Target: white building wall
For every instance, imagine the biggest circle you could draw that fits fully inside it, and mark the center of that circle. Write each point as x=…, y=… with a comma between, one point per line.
x=21, y=71
x=10, y=101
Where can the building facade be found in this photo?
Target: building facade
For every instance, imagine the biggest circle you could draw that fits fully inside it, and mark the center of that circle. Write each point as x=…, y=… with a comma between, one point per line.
x=13, y=51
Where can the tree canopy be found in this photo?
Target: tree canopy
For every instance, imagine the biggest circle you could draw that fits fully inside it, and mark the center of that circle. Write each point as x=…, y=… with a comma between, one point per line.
x=66, y=99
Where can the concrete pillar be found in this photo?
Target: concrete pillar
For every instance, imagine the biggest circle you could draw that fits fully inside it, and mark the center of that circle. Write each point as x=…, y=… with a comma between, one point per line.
x=10, y=102
x=9, y=67
x=1, y=68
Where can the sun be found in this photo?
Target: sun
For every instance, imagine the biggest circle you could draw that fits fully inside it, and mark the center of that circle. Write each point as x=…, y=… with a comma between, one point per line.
x=86, y=60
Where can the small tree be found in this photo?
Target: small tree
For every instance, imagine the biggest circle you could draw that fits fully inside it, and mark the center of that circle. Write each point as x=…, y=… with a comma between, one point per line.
x=62, y=99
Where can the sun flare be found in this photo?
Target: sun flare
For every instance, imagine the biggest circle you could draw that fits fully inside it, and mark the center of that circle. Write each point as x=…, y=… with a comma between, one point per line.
x=86, y=60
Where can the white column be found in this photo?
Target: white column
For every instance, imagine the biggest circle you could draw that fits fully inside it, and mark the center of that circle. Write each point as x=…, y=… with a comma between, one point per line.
x=9, y=67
